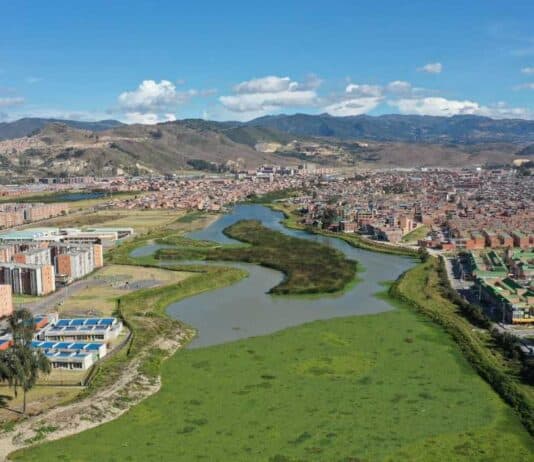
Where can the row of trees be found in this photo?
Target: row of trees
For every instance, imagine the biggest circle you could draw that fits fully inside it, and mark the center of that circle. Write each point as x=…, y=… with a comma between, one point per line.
x=21, y=364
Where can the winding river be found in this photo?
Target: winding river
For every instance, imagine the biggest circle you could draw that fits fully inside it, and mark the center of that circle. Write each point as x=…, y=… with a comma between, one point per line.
x=245, y=309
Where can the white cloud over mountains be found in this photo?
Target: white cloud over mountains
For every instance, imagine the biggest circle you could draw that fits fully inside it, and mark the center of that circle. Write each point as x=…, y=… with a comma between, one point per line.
x=153, y=102
x=270, y=94
x=431, y=68
x=152, y=96
x=435, y=106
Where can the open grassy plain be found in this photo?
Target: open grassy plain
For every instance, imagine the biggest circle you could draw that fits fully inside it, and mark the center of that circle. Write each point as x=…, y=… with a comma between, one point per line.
x=141, y=220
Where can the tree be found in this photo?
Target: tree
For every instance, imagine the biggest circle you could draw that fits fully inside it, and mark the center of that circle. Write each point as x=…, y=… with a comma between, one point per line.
x=21, y=364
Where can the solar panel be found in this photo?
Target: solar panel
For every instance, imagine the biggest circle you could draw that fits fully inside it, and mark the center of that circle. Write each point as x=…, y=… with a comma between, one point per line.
x=93, y=346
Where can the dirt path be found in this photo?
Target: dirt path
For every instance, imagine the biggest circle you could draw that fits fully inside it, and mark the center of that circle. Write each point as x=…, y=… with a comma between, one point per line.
x=105, y=405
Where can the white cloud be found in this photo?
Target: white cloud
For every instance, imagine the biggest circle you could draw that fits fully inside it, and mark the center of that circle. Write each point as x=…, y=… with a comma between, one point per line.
x=363, y=90
x=11, y=101
x=431, y=68
x=153, y=102
x=399, y=87
x=353, y=106
x=150, y=96
x=269, y=84
x=527, y=70
x=270, y=94
x=268, y=101
x=436, y=106
x=147, y=118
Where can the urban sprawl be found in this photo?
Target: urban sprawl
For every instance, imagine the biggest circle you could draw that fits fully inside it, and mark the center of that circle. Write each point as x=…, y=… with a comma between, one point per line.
x=481, y=220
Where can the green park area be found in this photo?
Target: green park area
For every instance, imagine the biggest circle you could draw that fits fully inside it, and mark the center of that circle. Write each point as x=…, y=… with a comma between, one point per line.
x=416, y=234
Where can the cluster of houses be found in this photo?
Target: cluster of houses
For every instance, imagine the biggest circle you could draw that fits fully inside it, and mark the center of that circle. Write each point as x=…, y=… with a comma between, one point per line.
x=16, y=214
x=464, y=209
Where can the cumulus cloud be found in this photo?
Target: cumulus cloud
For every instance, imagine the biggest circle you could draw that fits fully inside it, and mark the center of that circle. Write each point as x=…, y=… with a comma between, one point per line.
x=399, y=87
x=148, y=118
x=269, y=94
x=150, y=96
x=153, y=102
x=527, y=70
x=431, y=68
x=364, y=90
x=436, y=106
x=269, y=84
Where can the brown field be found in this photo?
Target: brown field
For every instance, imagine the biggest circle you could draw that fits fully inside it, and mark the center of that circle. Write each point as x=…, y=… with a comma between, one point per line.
x=117, y=280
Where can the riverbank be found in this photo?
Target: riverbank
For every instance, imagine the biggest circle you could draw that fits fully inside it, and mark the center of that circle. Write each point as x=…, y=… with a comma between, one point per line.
x=309, y=267
x=121, y=381
x=422, y=289
x=361, y=242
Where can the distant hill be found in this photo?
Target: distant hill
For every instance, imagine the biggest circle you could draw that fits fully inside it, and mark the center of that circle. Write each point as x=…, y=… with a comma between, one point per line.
x=406, y=128
x=58, y=148
x=45, y=147
x=25, y=127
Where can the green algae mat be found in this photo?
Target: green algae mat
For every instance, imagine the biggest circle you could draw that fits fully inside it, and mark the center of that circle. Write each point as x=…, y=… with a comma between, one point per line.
x=387, y=387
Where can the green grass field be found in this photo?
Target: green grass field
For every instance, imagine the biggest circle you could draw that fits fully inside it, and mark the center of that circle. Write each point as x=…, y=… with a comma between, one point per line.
x=389, y=387
x=416, y=234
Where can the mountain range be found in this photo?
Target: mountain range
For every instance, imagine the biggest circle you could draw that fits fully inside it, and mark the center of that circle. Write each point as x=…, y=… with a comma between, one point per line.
x=67, y=147
x=407, y=128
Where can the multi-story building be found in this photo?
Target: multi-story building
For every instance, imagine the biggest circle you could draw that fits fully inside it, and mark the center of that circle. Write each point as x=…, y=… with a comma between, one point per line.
x=76, y=261
x=28, y=279
x=6, y=300
x=6, y=253
x=33, y=256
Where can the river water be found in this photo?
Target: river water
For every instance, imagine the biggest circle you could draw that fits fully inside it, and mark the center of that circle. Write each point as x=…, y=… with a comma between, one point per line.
x=245, y=309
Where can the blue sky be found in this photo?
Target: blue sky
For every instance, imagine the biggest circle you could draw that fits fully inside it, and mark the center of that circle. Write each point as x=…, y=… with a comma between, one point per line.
x=152, y=61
